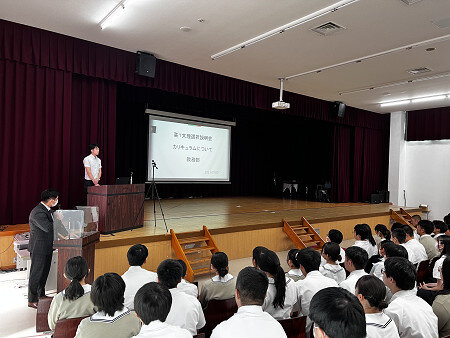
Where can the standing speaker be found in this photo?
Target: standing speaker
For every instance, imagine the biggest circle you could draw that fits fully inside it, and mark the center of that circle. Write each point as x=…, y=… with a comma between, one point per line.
x=339, y=109
x=145, y=64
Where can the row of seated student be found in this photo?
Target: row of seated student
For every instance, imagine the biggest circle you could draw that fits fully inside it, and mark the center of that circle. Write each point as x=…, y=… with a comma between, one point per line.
x=261, y=300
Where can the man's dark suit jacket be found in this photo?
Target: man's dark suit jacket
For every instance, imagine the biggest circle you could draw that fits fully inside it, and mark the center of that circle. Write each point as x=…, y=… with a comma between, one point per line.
x=41, y=231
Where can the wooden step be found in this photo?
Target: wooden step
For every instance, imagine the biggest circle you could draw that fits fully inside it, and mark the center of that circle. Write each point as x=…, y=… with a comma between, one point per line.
x=305, y=237
x=198, y=249
x=311, y=244
x=200, y=260
x=202, y=271
x=192, y=240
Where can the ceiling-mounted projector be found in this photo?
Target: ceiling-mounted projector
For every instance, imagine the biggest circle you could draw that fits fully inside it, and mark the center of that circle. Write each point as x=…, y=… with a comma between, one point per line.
x=281, y=104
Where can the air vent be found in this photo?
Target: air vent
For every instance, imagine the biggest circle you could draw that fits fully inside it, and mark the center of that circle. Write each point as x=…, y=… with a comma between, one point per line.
x=327, y=28
x=420, y=70
x=411, y=2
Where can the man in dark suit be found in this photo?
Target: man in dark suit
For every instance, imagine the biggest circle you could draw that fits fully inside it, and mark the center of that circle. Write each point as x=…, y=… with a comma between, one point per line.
x=40, y=245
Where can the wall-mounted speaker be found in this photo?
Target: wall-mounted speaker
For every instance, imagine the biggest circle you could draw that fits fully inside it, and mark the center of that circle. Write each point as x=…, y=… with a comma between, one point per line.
x=339, y=108
x=145, y=64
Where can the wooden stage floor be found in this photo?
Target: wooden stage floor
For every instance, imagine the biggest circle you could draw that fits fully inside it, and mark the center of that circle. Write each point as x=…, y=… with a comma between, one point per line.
x=229, y=213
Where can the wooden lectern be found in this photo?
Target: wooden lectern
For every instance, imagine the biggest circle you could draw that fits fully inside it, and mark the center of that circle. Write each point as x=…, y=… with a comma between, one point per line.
x=120, y=206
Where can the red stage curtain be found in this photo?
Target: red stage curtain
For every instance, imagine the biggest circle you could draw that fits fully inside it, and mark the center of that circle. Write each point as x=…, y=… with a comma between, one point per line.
x=341, y=164
x=35, y=123
x=429, y=124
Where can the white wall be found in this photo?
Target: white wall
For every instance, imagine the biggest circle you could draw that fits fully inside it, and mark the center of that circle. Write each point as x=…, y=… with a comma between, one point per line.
x=421, y=168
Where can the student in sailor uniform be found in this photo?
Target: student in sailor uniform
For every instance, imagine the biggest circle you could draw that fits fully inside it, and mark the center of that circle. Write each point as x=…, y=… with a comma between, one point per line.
x=112, y=318
x=330, y=252
x=294, y=273
x=152, y=304
x=185, y=286
x=335, y=236
x=371, y=293
x=257, y=251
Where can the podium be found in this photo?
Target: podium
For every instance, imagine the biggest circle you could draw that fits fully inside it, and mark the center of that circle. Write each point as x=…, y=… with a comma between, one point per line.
x=119, y=206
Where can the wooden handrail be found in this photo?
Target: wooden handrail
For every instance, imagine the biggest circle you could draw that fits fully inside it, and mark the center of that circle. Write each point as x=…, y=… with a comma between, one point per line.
x=405, y=214
x=180, y=254
x=210, y=240
x=399, y=218
x=315, y=234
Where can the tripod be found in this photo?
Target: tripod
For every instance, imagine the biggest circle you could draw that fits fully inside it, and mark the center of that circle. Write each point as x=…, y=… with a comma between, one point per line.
x=155, y=196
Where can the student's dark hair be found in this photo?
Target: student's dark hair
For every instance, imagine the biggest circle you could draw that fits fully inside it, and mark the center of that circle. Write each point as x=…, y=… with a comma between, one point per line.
x=374, y=290
x=252, y=285
x=396, y=225
x=309, y=259
x=93, y=146
x=358, y=256
x=335, y=236
x=408, y=230
x=169, y=273
x=270, y=263
x=384, y=231
x=445, y=241
x=385, y=243
x=107, y=293
x=333, y=250
x=400, y=234
x=257, y=251
x=402, y=271
x=441, y=226
x=445, y=277
x=292, y=256
x=137, y=255
x=152, y=302
x=75, y=270
x=183, y=267
x=338, y=313
x=364, y=231
x=396, y=251
x=417, y=217
x=447, y=219
x=426, y=225
x=219, y=261
x=49, y=194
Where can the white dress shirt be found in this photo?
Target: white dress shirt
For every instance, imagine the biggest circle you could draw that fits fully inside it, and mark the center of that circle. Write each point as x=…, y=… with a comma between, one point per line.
x=371, y=249
x=295, y=274
x=335, y=272
x=376, y=269
x=323, y=261
x=350, y=283
x=308, y=287
x=438, y=266
x=379, y=325
x=413, y=316
x=94, y=163
x=416, y=251
x=249, y=321
x=189, y=288
x=185, y=312
x=159, y=329
x=289, y=301
x=136, y=277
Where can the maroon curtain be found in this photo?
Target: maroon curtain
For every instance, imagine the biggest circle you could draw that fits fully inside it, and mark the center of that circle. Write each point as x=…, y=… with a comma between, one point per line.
x=35, y=121
x=428, y=124
x=358, y=152
x=341, y=164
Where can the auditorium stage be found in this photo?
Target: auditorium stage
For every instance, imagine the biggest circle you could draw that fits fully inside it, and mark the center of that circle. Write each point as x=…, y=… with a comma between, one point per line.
x=237, y=224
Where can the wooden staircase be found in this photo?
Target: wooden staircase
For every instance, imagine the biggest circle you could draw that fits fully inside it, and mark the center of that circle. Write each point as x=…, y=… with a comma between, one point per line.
x=303, y=235
x=195, y=251
x=402, y=217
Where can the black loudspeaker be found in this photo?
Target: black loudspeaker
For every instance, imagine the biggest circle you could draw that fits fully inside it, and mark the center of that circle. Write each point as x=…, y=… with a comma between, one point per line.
x=145, y=64
x=375, y=198
x=339, y=108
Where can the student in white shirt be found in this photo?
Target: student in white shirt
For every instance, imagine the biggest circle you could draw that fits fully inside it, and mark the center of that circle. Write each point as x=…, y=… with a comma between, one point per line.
x=416, y=253
x=355, y=261
x=294, y=273
x=378, y=266
x=152, y=305
x=330, y=252
x=186, y=311
x=257, y=251
x=371, y=292
x=136, y=276
x=414, y=222
x=337, y=313
x=184, y=285
x=382, y=231
x=335, y=236
x=364, y=239
x=412, y=315
x=440, y=229
x=250, y=320
x=281, y=293
x=92, y=167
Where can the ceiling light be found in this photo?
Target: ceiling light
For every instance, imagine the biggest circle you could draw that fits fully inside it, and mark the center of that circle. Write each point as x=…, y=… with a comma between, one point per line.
x=282, y=29
x=394, y=103
x=415, y=100
x=106, y=21
x=185, y=29
x=429, y=98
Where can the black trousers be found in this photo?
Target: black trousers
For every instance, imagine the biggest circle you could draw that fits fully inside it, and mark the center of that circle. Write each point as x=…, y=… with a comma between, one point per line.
x=87, y=183
x=40, y=267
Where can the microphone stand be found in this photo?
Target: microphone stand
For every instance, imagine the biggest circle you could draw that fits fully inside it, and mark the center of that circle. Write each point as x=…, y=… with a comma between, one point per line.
x=155, y=196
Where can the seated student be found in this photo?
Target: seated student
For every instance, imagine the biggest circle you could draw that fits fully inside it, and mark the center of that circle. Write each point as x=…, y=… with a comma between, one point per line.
x=256, y=254
x=364, y=239
x=388, y=249
x=250, y=320
x=112, y=318
x=152, y=304
x=294, y=273
x=416, y=253
x=222, y=285
x=337, y=313
x=441, y=304
x=335, y=236
x=314, y=281
x=75, y=300
x=184, y=285
x=281, y=293
x=371, y=292
x=186, y=311
x=136, y=276
x=414, y=222
x=411, y=314
x=424, y=229
x=330, y=252
x=382, y=232
x=440, y=228
x=355, y=260
x=378, y=266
